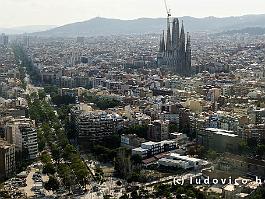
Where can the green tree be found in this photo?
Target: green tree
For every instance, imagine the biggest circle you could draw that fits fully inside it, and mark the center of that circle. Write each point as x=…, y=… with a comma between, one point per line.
x=52, y=184
x=102, y=102
x=41, y=94
x=136, y=159
x=41, y=140
x=55, y=152
x=48, y=169
x=191, y=194
x=45, y=157
x=261, y=150
x=99, y=175
x=137, y=166
x=69, y=150
x=79, y=169
x=139, y=130
x=243, y=147
x=66, y=175
x=63, y=100
x=259, y=193
x=211, y=154
x=122, y=163
x=52, y=90
x=81, y=175
x=162, y=190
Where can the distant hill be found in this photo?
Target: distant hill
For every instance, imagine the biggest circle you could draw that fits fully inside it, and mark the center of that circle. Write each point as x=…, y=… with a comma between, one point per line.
x=104, y=26
x=250, y=31
x=26, y=29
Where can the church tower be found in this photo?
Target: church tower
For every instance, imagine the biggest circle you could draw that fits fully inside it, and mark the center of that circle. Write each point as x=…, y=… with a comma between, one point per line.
x=169, y=42
x=162, y=43
x=174, y=50
x=188, y=56
x=182, y=51
x=175, y=34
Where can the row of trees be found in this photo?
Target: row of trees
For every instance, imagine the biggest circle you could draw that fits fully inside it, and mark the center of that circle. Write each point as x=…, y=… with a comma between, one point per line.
x=252, y=147
x=41, y=111
x=49, y=169
x=64, y=158
x=23, y=61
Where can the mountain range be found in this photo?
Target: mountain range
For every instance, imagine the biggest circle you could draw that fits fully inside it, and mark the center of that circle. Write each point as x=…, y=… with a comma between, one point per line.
x=26, y=29
x=250, y=31
x=104, y=26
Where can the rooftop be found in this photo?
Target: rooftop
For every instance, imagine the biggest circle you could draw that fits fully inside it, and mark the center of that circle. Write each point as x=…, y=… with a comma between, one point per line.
x=222, y=132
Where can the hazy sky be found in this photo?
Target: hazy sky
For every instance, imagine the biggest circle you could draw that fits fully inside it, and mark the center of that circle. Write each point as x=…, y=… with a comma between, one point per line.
x=59, y=12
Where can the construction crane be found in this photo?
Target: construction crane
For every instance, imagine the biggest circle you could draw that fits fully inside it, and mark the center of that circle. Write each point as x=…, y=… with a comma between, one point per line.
x=168, y=10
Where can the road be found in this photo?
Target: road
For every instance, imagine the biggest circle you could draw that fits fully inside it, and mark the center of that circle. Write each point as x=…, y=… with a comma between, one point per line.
x=30, y=87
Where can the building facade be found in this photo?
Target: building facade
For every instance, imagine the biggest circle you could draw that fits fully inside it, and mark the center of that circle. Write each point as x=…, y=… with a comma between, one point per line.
x=22, y=133
x=158, y=130
x=7, y=159
x=219, y=140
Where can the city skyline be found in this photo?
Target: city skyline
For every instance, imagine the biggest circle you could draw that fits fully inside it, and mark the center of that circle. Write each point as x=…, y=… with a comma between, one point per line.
x=65, y=11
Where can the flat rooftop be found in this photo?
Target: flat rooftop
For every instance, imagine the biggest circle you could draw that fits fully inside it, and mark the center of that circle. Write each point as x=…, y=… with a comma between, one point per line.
x=140, y=149
x=185, y=158
x=222, y=132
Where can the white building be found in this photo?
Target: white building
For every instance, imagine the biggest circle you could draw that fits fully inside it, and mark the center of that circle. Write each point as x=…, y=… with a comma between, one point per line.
x=179, y=161
x=149, y=149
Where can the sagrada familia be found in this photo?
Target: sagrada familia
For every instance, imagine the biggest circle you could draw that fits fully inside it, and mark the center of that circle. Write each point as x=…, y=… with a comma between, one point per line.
x=174, y=50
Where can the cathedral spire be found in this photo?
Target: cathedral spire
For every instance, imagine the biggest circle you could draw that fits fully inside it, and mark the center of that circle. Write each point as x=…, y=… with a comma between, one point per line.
x=175, y=34
x=188, y=56
x=168, y=45
x=175, y=49
x=188, y=39
x=182, y=38
x=182, y=33
x=162, y=43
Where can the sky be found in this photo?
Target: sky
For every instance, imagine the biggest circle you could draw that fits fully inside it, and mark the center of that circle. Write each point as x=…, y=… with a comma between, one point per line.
x=15, y=13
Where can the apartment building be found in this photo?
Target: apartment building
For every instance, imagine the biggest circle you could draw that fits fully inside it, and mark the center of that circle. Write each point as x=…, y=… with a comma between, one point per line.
x=22, y=133
x=219, y=140
x=7, y=159
x=158, y=130
x=94, y=126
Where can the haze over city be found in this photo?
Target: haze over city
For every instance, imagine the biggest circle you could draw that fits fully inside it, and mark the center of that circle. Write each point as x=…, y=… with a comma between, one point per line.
x=60, y=12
